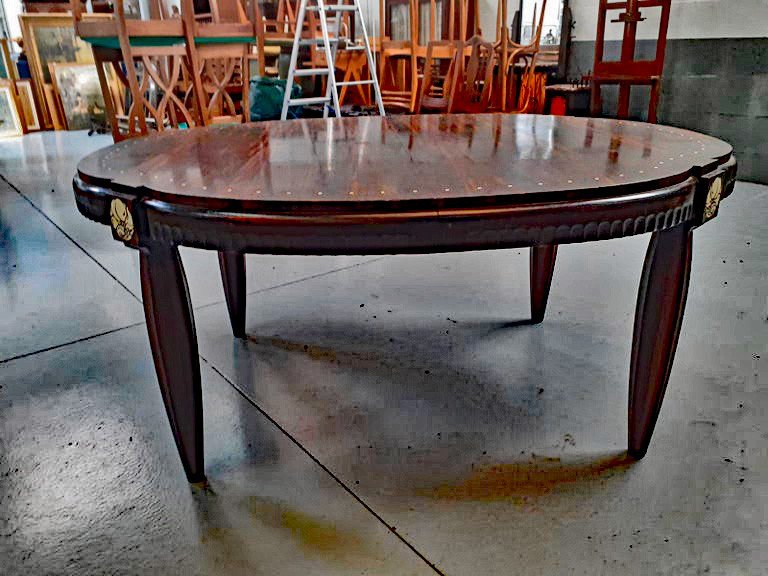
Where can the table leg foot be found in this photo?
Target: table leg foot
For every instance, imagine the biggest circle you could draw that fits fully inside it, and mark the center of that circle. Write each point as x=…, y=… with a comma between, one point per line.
x=232, y=266
x=542, y=267
x=171, y=329
x=659, y=315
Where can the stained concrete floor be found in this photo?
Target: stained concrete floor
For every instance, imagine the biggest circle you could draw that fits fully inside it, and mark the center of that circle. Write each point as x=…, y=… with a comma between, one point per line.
x=385, y=415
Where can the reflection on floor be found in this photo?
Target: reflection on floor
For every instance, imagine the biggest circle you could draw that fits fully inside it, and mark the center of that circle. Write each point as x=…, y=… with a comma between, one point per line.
x=385, y=415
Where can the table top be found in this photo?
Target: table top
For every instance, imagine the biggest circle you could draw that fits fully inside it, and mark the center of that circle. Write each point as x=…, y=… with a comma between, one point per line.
x=371, y=164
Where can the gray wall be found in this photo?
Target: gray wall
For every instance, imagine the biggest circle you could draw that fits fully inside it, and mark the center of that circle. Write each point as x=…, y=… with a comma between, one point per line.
x=716, y=86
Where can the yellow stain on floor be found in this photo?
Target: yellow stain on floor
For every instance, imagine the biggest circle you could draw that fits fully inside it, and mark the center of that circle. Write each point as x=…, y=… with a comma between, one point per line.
x=312, y=534
x=314, y=352
x=317, y=353
x=520, y=481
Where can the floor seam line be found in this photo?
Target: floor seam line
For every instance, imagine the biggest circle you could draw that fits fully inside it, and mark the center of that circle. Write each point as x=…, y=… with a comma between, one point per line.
x=111, y=275
x=70, y=343
x=297, y=281
x=325, y=468
x=68, y=237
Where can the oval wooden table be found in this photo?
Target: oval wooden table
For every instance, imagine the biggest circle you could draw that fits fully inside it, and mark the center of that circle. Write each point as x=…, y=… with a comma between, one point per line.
x=405, y=184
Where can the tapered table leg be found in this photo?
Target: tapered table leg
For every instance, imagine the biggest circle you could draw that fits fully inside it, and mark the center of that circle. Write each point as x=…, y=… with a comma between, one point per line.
x=542, y=267
x=659, y=315
x=172, y=338
x=232, y=266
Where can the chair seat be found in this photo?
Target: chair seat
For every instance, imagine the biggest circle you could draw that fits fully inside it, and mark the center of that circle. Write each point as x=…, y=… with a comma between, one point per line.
x=397, y=52
x=107, y=28
x=153, y=41
x=137, y=41
x=225, y=40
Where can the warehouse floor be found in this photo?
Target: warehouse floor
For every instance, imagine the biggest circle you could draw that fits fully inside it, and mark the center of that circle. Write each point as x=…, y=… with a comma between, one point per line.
x=386, y=415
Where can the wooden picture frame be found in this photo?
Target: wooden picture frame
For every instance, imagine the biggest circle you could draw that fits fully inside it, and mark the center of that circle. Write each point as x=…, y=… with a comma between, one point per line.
x=27, y=105
x=52, y=106
x=78, y=94
x=6, y=64
x=53, y=102
x=50, y=38
x=10, y=122
x=9, y=76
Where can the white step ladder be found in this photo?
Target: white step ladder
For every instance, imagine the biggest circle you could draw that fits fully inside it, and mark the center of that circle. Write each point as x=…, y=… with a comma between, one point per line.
x=330, y=46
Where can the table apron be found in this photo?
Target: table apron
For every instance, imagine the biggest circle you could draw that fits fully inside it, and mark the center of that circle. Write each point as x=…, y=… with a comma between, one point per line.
x=421, y=232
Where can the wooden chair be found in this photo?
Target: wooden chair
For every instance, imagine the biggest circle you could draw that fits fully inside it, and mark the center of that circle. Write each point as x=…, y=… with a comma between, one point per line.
x=353, y=66
x=474, y=67
x=627, y=71
x=157, y=47
x=398, y=66
x=422, y=43
x=437, y=85
x=403, y=62
x=462, y=19
x=531, y=96
x=458, y=21
x=219, y=52
x=284, y=22
x=275, y=24
x=511, y=56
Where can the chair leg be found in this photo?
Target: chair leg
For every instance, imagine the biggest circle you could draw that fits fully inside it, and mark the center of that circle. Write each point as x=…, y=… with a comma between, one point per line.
x=100, y=59
x=659, y=315
x=133, y=81
x=542, y=267
x=196, y=63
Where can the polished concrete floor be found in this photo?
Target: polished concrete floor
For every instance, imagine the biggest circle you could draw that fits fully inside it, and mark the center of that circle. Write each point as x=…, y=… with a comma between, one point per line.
x=385, y=415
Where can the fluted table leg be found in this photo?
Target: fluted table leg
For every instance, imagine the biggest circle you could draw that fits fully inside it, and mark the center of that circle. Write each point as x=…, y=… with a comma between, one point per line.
x=232, y=266
x=542, y=267
x=172, y=337
x=659, y=315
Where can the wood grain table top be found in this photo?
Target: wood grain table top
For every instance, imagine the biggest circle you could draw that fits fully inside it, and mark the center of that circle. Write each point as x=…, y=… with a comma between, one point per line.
x=412, y=162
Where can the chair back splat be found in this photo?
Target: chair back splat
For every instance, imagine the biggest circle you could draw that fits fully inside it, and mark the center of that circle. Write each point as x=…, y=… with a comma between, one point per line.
x=473, y=76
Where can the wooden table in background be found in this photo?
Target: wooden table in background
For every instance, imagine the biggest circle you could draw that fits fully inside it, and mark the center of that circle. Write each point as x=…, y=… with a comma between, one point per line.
x=405, y=184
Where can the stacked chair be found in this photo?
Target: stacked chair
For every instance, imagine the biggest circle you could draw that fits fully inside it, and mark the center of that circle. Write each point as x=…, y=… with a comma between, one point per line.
x=474, y=75
x=398, y=68
x=135, y=52
x=178, y=70
x=511, y=97
x=181, y=70
x=218, y=52
x=408, y=65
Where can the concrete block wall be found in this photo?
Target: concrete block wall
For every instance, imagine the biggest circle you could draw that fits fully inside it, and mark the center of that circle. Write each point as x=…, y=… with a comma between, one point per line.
x=715, y=71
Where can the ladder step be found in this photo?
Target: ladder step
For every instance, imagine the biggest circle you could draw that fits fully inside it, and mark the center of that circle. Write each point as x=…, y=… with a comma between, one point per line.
x=333, y=8
x=355, y=83
x=317, y=41
x=300, y=101
x=354, y=47
x=312, y=72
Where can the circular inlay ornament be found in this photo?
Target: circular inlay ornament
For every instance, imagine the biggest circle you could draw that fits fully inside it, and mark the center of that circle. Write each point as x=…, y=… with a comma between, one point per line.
x=121, y=219
x=713, y=198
